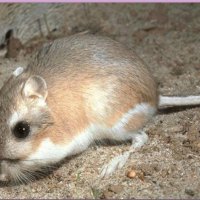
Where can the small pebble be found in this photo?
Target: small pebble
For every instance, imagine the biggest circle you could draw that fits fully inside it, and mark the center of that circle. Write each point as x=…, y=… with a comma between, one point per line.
x=131, y=174
x=115, y=188
x=33, y=190
x=189, y=192
x=107, y=195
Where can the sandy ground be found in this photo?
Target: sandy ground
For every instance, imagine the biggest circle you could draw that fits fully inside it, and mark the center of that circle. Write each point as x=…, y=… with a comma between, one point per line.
x=167, y=38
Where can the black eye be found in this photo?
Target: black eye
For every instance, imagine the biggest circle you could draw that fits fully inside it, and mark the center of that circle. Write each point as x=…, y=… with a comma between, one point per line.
x=21, y=129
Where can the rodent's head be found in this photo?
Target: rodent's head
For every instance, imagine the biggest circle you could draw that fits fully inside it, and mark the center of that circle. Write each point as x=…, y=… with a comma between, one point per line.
x=24, y=116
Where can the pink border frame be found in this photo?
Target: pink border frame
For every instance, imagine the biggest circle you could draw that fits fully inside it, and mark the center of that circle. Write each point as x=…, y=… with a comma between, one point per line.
x=99, y=1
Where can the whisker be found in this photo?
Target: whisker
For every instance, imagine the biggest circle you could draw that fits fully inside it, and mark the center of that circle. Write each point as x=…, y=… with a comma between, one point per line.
x=24, y=178
x=29, y=176
x=19, y=178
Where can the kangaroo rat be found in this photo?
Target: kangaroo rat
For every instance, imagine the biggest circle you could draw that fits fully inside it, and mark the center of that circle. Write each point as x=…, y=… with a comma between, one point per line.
x=74, y=91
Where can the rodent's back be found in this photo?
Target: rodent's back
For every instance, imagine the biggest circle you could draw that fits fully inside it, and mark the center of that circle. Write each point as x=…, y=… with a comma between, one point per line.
x=87, y=57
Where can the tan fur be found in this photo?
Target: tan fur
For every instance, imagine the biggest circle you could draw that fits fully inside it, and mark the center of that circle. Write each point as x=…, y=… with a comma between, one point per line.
x=67, y=108
x=72, y=113
x=136, y=123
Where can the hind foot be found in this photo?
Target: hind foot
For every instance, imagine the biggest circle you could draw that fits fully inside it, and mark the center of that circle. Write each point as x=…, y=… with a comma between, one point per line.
x=116, y=163
x=138, y=140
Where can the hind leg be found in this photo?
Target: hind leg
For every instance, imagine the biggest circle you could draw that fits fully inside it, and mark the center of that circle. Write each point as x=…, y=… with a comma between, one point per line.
x=129, y=127
x=138, y=140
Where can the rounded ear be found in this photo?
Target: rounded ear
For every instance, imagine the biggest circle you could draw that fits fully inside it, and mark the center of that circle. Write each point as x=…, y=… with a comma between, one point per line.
x=35, y=87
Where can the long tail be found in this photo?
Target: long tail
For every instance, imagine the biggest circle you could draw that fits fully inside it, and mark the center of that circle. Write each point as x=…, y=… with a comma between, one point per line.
x=165, y=101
